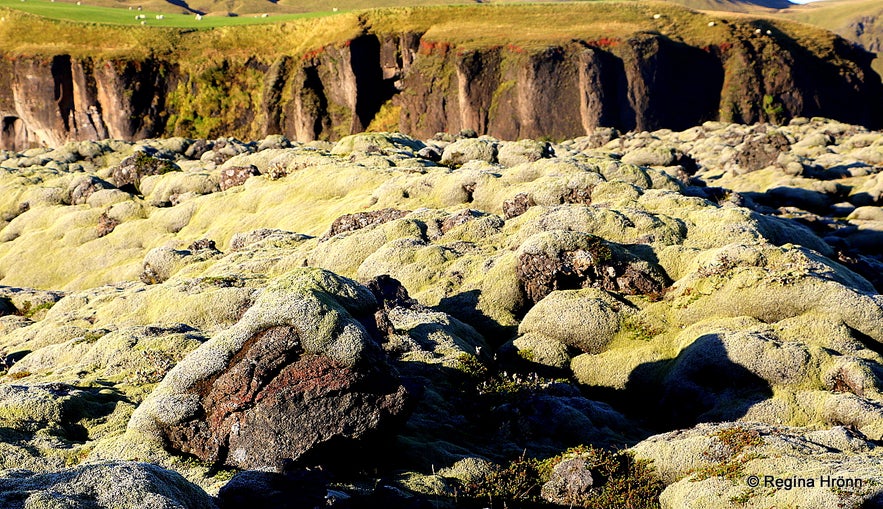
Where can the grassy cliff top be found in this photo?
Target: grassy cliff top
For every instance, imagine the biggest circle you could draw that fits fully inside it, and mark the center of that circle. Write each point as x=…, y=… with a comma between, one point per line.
x=525, y=26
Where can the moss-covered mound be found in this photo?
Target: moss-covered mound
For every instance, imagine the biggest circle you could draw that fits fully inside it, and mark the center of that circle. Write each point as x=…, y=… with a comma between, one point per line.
x=463, y=312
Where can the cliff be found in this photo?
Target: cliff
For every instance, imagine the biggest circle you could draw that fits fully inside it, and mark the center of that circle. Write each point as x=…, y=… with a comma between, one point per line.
x=418, y=78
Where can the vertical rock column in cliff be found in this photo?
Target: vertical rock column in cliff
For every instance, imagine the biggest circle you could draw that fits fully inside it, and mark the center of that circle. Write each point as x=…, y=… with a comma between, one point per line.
x=57, y=99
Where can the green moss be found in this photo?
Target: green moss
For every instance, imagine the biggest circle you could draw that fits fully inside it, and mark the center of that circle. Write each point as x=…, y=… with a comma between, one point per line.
x=736, y=440
x=471, y=366
x=526, y=354
x=639, y=328
x=90, y=337
x=620, y=480
x=30, y=310
x=773, y=109
x=386, y=119
x=147, y=165
x=218, y=98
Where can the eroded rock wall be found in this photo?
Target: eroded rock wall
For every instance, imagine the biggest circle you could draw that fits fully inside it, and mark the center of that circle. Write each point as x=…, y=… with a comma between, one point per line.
x=411, y=83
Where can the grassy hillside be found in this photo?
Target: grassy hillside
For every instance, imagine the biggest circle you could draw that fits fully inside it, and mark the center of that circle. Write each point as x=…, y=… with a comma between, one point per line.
x=859, y=21
x=525, y=25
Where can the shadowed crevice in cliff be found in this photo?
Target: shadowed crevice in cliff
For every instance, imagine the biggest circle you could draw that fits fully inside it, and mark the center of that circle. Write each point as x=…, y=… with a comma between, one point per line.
x=147, y=83
x=13, y=133
x=64, y=88
x=372, y=90
x=671, y=84
x=604, y=91
x=478, y=78
x=309, y=118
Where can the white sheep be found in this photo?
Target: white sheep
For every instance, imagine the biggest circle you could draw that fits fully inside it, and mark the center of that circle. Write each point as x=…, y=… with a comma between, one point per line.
x=657, y=16
x=711, y=23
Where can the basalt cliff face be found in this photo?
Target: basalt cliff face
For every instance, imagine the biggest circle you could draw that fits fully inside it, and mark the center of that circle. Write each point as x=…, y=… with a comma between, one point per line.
x=410, y=82
x=53, y=100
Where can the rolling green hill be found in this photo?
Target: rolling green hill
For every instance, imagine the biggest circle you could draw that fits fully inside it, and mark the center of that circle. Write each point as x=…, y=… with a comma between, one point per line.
x=860, y=21
x=857, y=20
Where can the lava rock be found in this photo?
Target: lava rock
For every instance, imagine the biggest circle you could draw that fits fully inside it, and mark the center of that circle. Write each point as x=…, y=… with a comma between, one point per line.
x=237, y=175
x=296, y=377
x=359, y=220
x=567, y=260
x=761, y=151
x=571, y=482
x=131, y=170
x=275, y=403
x=517, y=205
x=81, y=188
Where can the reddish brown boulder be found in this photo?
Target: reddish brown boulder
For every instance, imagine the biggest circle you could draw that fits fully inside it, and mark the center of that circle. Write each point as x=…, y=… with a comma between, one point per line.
x=589, y=263
x=359, y=220
x=274, y=403
x=106, y=224
x=761, y=151
x=517, y=205
x=237, y=175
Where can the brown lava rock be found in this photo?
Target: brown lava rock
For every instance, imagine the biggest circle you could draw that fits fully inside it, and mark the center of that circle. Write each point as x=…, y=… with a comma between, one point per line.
x=595, y=266
x=203, y=245
x=275, y=403
x=578, y=195
x=359, y=220
x=127, y=176
x=390, y=293
x=462, y=217
x=237, y=175
x=85, y=187
x=106, y=224
x=517, y=205
x=762, y=151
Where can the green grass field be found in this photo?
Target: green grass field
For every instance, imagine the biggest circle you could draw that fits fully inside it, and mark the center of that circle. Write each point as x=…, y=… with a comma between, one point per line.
x=70, y=11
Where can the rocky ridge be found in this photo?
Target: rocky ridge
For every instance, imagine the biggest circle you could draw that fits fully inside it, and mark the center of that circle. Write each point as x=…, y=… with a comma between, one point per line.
x=413, y=316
